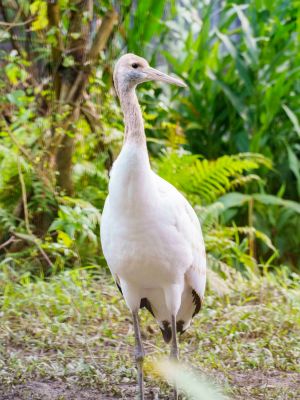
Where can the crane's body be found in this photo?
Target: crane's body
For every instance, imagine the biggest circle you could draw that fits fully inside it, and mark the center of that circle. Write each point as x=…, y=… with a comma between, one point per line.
x=152, y=239
x=150, y=235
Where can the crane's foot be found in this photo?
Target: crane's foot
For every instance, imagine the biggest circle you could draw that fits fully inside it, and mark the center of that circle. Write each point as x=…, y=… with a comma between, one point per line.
x=175, y=394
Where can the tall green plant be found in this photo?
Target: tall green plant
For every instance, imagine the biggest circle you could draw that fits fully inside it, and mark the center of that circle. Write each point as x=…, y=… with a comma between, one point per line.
x=241, y=63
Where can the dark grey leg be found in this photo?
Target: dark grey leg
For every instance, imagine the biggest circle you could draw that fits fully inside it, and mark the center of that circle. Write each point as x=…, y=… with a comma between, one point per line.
x=174, y=349
x=174, y=346
x=139, y=354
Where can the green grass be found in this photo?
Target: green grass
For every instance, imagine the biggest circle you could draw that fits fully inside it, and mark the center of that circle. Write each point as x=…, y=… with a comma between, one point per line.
x=75, y=328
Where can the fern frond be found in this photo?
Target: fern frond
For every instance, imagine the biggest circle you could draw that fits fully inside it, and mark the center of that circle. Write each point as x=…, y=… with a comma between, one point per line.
x=243, y=180
x=229, y=232
x=203, y=181
x=7, y=221
x=209, y=215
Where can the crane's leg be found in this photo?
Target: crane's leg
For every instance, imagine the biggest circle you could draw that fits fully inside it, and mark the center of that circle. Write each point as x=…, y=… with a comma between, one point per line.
x=139, y=354
x=174, y=345
x=174, y=349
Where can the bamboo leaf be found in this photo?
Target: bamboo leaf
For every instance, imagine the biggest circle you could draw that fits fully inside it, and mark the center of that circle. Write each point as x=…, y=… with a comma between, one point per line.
x=232, y=97
x=240, y=65
x=293, y=118
x=236, y=199
x=250, y=40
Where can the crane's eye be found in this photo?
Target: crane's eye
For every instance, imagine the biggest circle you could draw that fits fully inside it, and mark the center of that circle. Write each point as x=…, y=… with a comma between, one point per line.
x=135, y=65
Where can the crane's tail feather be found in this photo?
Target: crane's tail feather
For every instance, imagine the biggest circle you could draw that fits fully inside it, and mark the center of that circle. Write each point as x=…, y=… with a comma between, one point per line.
x=145, y=303
x=167, y=331
x=165, y=326
x=184, y=317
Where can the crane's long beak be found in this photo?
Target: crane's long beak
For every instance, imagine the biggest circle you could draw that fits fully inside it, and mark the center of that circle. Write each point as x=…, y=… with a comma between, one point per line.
x=155, y=75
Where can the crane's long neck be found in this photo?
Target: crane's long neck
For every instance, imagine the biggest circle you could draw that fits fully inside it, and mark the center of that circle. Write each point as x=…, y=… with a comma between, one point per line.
x=131, y=181
x=134, y=125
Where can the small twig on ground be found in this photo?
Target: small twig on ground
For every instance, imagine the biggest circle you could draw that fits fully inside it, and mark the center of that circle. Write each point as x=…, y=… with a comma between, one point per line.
x=13, y=24
x=32, y=239
x=9, y=241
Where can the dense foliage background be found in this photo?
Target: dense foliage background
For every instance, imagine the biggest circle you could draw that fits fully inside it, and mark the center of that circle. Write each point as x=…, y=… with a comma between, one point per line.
x=62, y=128
x=230, y=141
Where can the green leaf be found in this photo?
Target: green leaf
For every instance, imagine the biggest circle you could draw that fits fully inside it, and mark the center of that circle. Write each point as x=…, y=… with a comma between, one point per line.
x=12, y=72
x=232, y=97
x=236, y=199
x=4, y=35
x=269, y=199
x=17, y=97
x=240, y=65
x=293, y=118
x=294, y=166
x=15, y=73
x=68, y=61
x=39, y=8
x=250, y=40
x=67, y=241
x=75, y=35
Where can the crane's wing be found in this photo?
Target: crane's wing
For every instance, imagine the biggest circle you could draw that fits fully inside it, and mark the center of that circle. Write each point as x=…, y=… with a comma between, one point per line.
x=187, y=223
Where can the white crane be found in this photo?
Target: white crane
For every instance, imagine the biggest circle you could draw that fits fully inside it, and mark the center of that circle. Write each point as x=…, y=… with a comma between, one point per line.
x=150, y=234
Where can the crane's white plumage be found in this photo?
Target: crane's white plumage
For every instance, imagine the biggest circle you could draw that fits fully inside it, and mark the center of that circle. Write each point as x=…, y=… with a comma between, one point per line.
x=150, y=235
x=151, y=239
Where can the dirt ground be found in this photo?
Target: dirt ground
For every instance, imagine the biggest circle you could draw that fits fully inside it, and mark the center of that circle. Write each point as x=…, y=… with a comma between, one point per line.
x=274, y=382
x=51, y=390
x=273, y=385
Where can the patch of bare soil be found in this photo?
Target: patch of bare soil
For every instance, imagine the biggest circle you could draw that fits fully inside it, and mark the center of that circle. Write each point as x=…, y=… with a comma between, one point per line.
x=57, y=390
x=271, y=385
x=49, y=390
x=265, y=382
x=271, y=379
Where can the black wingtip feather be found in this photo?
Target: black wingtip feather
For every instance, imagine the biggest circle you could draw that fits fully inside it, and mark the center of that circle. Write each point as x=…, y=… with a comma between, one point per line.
x=119, y=287
x=146, y=303
x=179, y=327
x=197, y=302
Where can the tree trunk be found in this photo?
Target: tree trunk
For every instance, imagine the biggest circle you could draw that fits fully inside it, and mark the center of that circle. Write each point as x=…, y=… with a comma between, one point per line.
x=69, y=80
x=74, y=81
x=64, y=165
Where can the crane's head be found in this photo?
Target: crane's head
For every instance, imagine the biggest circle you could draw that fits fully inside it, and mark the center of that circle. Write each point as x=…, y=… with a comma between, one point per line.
x=131, y=70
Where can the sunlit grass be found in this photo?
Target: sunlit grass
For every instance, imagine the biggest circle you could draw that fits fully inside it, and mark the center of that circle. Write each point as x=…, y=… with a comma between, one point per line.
x=76, y=327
